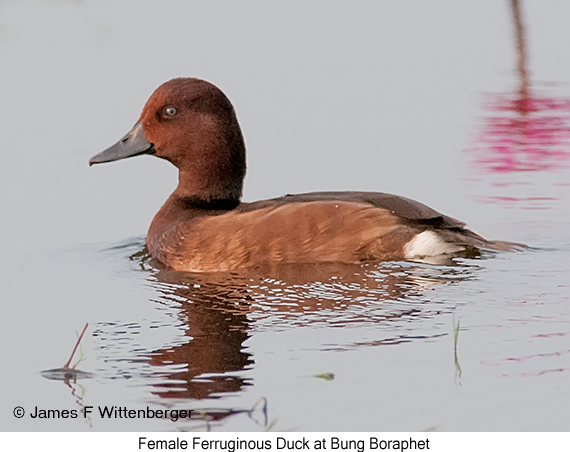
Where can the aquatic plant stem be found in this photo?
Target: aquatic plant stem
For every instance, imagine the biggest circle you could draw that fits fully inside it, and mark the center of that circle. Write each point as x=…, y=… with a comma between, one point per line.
x=66, y=365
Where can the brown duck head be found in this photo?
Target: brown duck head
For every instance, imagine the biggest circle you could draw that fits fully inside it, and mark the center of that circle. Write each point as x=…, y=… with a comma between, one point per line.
x=193, y=125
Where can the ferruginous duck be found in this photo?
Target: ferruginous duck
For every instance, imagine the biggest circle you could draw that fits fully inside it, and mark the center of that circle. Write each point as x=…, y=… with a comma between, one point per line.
x=204, y=227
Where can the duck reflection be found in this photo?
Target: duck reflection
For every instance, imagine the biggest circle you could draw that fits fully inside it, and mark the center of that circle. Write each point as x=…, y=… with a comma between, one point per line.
x=215, y=312
x=221, y=311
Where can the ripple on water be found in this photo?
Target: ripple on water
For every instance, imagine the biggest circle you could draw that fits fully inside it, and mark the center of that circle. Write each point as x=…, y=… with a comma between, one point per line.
x=214, y=315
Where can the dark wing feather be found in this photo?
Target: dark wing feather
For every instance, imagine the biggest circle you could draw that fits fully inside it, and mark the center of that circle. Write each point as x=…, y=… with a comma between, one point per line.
x=399, y=206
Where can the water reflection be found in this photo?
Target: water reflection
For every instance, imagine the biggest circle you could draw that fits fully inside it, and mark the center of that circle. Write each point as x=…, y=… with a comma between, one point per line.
x=215, y=313
x=524, y=134
x=523, y=131
x=70, y=375
x=219, y=312
x=194, y=351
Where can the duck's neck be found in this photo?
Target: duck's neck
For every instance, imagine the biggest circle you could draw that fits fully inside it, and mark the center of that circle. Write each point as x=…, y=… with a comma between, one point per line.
x=196, y=203
x=208, y=192
x=213, y=166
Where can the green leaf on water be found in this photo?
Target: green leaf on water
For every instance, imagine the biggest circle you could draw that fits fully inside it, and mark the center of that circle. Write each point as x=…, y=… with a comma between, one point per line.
x=328, y=376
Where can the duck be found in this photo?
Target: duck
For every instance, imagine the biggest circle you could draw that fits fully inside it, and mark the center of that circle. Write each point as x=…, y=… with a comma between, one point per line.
x=205, y=227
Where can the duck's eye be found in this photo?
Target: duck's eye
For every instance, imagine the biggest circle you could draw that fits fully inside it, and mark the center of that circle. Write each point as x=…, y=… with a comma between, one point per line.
x=169, y=111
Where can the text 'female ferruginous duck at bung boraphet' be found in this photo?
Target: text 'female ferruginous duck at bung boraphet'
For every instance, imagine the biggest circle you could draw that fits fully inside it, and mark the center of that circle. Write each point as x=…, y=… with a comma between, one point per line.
x=204, y=227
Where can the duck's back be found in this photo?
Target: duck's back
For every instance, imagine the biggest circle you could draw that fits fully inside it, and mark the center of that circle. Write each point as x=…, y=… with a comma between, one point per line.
x=348, y=227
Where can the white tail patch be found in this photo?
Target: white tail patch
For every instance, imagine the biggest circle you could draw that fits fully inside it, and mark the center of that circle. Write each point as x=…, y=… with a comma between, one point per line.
x=428, y=243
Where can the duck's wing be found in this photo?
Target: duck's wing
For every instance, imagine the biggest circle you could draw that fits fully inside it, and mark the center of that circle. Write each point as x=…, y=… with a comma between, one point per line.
x=398, y=206
x=412, y=216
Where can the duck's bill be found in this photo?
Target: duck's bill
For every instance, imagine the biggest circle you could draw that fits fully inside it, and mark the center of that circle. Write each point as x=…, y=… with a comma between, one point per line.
x=133, y=143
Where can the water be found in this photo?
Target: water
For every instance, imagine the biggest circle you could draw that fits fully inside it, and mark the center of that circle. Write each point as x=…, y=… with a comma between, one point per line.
x=330, y=98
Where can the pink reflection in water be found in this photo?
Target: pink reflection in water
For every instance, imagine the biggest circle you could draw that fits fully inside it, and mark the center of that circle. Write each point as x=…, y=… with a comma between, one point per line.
x=523, y=137
x=524, y=134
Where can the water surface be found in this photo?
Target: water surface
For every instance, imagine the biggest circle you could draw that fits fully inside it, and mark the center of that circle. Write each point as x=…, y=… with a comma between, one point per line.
x=417, y=99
